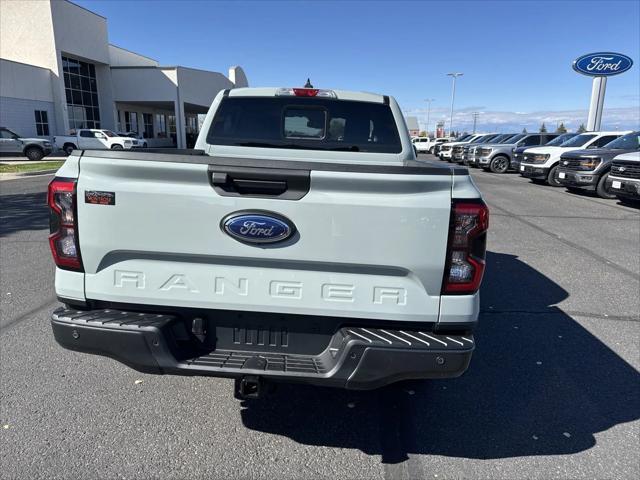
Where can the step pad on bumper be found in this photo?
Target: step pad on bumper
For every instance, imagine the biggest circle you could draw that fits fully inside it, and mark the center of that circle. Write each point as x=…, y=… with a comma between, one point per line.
x=356, y=357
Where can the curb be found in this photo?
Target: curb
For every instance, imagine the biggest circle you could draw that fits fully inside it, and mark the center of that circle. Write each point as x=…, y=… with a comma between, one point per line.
x=17, y=175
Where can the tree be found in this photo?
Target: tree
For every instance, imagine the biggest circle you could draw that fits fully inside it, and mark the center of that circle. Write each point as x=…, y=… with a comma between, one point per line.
x=524, y=130
x=422, y=134
x=561, y=128
x=582, y=128
x=543, y=128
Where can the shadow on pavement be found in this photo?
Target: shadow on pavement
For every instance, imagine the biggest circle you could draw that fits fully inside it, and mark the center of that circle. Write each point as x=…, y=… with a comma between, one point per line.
x=25, y=211
x=539, y=384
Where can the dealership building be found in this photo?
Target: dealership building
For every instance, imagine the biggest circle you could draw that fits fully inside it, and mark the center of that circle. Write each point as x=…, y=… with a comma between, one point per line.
x=58, y=72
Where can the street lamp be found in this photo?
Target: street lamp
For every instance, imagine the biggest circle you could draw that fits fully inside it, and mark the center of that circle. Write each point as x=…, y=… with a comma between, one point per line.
x=428, y=100
x=453, y=97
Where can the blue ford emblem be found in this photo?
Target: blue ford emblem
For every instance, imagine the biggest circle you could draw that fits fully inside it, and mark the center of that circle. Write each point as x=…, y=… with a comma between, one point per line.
x=603, y=64
x=258, y=227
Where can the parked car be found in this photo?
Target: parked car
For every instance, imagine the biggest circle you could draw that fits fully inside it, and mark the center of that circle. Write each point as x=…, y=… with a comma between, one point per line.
x=256, y=248
x=89, y=138
x=589, y=169
x=518, y=153
x=624, y=179
x=445, y=151
x=541, y=163
x=458, y=150
x=33, y=148
x=497, y=158
x=438, y=141
x=470, y=150
x=142, y=142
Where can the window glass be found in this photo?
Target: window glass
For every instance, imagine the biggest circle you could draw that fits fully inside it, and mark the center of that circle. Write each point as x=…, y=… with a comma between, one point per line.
x=161, y=125
x=532, y=140
x=305, y=123
x=559, y=140
x=147, y=118
x=81, y=93
x=42, y=123
x=630, y=141
x=579, y=140
x=6, y=134
x=602, y=141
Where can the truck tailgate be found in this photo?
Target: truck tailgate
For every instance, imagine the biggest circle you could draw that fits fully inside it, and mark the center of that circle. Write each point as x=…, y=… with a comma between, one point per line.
x=369, y=244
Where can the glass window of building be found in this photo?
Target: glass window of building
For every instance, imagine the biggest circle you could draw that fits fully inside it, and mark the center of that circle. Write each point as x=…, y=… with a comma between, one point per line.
x=131, y=122
x=147, y=119
x=42, y=123
x=81, y=90
x=161, y=125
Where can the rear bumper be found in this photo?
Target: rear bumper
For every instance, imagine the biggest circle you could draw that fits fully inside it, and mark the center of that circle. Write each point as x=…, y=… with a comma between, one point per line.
x=354, y=357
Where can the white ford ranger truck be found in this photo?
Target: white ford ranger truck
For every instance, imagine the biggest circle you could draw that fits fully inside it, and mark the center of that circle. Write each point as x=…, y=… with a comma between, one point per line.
x=300, y=241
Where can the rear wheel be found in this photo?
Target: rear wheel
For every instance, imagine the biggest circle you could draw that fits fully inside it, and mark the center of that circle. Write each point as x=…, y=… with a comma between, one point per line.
x=499, y=164
x=34, y=153
x=116, y=147
x=601, y=189
x=68, y=148
x=552, y=178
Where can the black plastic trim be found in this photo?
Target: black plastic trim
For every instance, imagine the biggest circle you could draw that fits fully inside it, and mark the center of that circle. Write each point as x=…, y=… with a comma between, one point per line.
x=256, y=182
x=408, y=167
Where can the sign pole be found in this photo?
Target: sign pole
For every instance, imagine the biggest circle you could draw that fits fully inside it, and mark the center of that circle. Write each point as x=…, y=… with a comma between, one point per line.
x=598, y=90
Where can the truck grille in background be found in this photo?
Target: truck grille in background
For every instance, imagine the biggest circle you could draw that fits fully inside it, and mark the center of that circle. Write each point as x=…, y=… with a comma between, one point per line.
x=458, y=149
x=518, y=157
x=571, y=163
x=445, y=148
x=627, y=170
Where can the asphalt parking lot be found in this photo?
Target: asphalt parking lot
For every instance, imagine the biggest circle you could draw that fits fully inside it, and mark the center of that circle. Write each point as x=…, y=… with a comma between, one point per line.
x=553, y=390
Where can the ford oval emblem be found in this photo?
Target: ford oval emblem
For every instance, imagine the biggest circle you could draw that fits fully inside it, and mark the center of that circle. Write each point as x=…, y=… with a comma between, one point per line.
x=602, y=64
x=258, y=227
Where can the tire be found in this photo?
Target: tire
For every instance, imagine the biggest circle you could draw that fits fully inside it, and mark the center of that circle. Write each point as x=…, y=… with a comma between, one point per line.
x=34, y=154
x=499, y=164
x=576, y=190
x=68, y=148
x=116, y=147
x=601, y=189
x=552, y=178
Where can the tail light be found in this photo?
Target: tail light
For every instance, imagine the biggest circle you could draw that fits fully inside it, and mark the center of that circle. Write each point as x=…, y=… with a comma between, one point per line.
x=63, y=224
x=466, y=247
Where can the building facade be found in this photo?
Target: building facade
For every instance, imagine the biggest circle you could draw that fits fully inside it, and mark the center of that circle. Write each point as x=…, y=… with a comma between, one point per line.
x=58, y=72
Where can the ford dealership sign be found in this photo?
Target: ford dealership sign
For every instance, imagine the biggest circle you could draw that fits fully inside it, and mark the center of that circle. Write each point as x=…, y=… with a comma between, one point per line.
x=603, y=64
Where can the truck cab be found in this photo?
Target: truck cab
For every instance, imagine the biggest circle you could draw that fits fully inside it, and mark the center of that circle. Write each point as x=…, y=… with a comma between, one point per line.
x=497, y=158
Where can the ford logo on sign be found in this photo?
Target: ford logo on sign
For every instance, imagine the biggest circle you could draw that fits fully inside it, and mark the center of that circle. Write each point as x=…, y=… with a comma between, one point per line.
x=602, y=64
x=258, y=227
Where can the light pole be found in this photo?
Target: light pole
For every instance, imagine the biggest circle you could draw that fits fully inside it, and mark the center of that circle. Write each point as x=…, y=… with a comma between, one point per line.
x=475, y=120
x=428, y=100
x=454, y=75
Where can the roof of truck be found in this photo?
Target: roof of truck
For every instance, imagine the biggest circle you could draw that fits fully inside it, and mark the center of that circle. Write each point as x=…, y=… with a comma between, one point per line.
x=340, y=94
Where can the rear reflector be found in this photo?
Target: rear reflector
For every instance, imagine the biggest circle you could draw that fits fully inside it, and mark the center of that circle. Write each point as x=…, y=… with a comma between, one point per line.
x=305, y=92
x=466, y=249
x=63, y=238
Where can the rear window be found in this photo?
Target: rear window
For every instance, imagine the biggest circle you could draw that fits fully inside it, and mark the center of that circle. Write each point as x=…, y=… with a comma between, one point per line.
x=305, y=123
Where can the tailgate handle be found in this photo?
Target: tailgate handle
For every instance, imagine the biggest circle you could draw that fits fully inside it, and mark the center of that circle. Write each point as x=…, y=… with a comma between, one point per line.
x=277, y=183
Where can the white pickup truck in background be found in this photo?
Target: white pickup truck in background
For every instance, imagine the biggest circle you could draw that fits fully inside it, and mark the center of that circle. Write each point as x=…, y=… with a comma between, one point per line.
x=93, y=139
x=301, y=241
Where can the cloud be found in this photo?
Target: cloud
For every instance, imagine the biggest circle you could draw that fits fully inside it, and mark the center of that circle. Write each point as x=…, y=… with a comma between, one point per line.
x=627, y=118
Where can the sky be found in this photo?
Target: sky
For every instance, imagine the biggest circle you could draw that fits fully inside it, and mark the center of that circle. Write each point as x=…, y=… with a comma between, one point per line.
x=515, y=55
